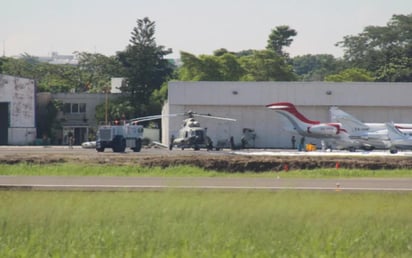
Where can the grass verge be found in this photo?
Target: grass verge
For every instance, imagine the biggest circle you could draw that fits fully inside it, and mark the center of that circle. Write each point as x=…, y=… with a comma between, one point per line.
x=205, y=224
x=72, y=169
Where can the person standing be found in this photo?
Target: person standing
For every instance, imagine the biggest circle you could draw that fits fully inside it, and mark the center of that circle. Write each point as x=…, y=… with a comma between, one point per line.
x=302, y=143
x=70, y=134
x=293, y=142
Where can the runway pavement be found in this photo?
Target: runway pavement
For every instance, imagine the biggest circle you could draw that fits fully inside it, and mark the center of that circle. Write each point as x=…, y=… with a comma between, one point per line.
x=84, y=183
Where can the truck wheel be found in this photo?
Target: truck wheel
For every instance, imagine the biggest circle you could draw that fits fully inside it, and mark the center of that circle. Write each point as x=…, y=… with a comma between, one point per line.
x=122, y=146
x=100, y=146
x=138, y=146
x=119, y=144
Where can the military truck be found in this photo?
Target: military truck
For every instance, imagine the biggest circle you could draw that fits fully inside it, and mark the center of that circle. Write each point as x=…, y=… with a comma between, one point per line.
x=119, y=137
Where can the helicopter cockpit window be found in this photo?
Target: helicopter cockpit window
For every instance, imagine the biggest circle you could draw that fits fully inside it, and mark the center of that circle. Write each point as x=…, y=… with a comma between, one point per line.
x=193, y=123
x=199, y=134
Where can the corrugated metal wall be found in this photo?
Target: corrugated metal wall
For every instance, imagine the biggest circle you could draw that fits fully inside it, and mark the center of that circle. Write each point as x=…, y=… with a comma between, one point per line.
x=245, y=101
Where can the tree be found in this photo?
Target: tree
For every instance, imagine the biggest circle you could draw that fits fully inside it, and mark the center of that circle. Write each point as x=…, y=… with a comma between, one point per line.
x=221, y=67
x=144, y=66
x=46, y=122
x=220, y=52
x=96, y=70
x=316, y=67
x=117, y=108
x=22, y=67
x=266, y=65
x=49, y=77
x=231, y=68
x=202, y=68
x=351, y=75
x=2, y=61
x=279, y=38
x=191, y=69
x=386, y=51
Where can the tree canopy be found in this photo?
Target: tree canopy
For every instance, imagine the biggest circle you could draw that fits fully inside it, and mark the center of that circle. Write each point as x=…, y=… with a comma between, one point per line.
x=385, y=51
x=223, y=66
x=144, y=66
x=316, y=67
x=279, y=38
x=96, y=70
x=351, y=75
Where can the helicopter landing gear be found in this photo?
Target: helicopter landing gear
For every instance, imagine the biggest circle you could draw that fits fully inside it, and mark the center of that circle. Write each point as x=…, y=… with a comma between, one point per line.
x=196, y=148
x=209, y=144
x=393, y=151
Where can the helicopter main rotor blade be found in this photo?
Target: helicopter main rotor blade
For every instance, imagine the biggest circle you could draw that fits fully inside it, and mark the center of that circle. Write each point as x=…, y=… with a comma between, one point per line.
x=215, y=117
x=190, y=113
x=150, y=118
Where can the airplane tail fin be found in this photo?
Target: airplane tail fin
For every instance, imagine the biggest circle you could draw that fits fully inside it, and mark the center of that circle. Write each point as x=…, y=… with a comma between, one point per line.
x=291, y=111
x=349, y=122
x=299, y=121
x=394, y=133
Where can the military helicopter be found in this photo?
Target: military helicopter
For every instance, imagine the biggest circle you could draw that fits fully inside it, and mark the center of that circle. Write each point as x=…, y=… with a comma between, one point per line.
x=191, y=135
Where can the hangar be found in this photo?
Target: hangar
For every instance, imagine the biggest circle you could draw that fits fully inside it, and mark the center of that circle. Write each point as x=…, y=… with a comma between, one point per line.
x=17, y=110
x=245, y=101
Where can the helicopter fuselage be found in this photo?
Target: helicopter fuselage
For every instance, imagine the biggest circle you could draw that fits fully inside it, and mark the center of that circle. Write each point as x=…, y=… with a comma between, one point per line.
x=191, y=135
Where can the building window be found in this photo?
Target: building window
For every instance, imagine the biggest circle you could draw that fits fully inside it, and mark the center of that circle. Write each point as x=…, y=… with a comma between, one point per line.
x=82, y=108
x=74, y=108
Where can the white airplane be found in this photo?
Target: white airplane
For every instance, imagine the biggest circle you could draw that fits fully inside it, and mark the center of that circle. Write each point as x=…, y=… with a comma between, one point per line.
x=398, y=139
x=330, y=133
x=369, y=135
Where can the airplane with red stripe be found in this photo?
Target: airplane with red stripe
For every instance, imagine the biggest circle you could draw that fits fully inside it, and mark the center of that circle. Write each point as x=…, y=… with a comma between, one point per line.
x=330, y=133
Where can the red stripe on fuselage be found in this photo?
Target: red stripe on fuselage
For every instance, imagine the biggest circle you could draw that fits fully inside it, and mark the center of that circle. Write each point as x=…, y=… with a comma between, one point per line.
x=337, y=127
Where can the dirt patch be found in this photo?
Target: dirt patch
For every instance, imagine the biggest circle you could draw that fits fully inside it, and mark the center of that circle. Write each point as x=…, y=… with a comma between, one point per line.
x=209, y=161
x=259, y=164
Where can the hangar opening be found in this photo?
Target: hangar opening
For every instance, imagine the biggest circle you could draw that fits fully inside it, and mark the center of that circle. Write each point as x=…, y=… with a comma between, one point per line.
x=4, y=123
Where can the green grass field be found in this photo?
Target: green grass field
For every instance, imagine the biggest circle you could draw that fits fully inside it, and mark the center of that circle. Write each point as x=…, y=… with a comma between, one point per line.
x=205, y=224
x=177, y=223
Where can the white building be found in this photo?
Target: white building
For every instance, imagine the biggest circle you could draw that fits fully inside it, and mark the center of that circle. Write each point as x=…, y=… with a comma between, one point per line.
x=245, y=101
x=17, y=110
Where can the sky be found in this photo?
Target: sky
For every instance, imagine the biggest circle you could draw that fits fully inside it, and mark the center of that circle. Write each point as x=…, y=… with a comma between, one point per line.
x=40, y=27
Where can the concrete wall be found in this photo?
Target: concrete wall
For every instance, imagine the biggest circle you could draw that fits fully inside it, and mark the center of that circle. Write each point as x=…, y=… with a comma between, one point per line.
x=19, y=93
x=245, y=101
